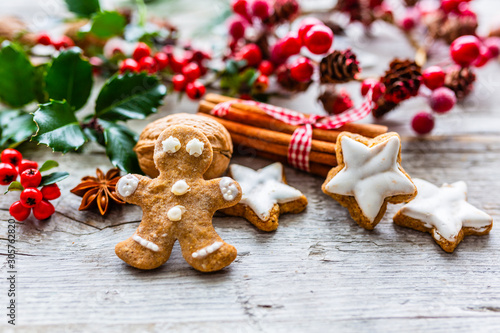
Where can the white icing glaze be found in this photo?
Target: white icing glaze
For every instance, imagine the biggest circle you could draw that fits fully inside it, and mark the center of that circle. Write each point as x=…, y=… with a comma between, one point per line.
x=175, y=213
x=180, y=187
x=127, y=185
x=147, y=244
x=195, y=147
x=171, y=145
x=200, y=254
x=445, y=209
x=228, y=188
x=370, y=174
x=263, y=188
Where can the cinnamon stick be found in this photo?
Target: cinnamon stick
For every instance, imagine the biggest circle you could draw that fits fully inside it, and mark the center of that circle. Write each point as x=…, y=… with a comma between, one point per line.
x=270, y=136
x=314, y=168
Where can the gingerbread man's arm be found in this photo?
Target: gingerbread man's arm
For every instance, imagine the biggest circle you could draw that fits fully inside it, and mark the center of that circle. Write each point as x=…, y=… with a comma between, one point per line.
x=132, y=187
x=228, y=192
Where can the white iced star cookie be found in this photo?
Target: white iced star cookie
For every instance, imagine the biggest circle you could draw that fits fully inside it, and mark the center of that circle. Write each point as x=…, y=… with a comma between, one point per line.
x=368, y=176
x=265, y=195
x=444, y=213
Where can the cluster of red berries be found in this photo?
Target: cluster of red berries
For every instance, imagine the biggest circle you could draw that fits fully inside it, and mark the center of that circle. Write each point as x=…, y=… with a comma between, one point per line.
x=187, y=69
x=31, y=197
x=60, y=43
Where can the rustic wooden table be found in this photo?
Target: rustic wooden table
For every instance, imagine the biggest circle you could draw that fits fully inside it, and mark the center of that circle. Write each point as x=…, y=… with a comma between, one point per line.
x=318, y=272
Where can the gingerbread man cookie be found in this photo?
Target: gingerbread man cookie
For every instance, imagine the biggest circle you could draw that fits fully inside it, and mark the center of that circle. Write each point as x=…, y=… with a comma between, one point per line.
x=444, y=213
x=265, y=195
x=178, y=205
x=368, y=176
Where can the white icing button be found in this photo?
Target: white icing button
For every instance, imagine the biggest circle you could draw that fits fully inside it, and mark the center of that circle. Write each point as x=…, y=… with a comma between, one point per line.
x=195, y=147
x=228, y=188
x=175, y=213
x=127, y=185
x=180, y=187
x=171, y=145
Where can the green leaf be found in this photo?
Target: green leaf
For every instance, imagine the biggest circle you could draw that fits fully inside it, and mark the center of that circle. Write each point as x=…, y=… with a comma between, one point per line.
x=107, y=24
x=14, y=186
x=129, y=96
x=47, y=165
x=58, y=127
x=53, y=178
x=16, y=76
x=83, y=8
x=17, y=126
x=41, y=94
x=70, y=78
x=120, y=142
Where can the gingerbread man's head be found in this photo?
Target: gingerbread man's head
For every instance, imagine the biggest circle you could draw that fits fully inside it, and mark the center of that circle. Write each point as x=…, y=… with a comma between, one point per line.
x=182, y=149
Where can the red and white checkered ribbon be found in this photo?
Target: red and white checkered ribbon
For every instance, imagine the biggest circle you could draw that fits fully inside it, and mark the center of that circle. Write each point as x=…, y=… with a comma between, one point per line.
x=300, y=144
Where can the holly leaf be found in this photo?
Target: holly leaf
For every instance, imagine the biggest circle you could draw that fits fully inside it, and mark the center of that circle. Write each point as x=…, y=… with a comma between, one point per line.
x=129, y=96
x=53, y=178
x=107, y=24
x=70, y=78
x=58, y=127
x=40, y=91
x=14, y=186
x=120, y=142
x=83, y=8
x=16, y=126
x=16, y=76
x=47, y=165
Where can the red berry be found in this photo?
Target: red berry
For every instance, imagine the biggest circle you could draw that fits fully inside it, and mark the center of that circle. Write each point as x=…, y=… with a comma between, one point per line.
x=290, y=44
x=449, y=6
x=43, y=210
x=251, y=53
x=442, y=100
x=301, y=69
x=30, y=197
x=240, y=7
x=191, y=71
x=261, y=84
x=162, y=60
x=378, y=88
x=342, y=103
x=277, y=55
x=409, y=20
x=177, y=63
x=148, y=64
x=8, y=173
x=319, y=39
x=19, y=212
x=27, y=164
x=51, y=192
x=129, y=65
x=179, y=81
x=306, y=24
x=433, y=77
x=141, y=50
x=261, y=9
x=237, y=28
x=266, y=67
x=11, y=156
x=31, y=178
x=465, y=50
x=43, y=39
x=423, y=122
x=493, y=44
x=63, y=43
x=195, y=89
x=484, y=57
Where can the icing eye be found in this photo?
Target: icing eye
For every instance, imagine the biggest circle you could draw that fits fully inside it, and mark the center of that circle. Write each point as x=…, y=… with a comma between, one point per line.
x=195, y=147
x=171, y=145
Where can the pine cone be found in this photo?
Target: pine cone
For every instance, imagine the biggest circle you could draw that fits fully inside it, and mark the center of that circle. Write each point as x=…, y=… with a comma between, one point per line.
x=335, y=102
x=402, y=80
x=411, y=3
x=461, y=81
x=285, y=10
x=450, y=27
x=287, y=82
x=358, y=10
x=339, y=67
x=382, y=107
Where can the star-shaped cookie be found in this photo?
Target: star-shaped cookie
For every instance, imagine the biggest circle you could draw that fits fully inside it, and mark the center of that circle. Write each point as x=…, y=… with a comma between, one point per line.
x=368, y=176
x=444, y=213
x=265, y=195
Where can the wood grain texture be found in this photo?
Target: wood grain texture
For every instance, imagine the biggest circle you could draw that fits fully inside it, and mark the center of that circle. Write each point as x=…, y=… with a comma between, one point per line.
x=318, y=272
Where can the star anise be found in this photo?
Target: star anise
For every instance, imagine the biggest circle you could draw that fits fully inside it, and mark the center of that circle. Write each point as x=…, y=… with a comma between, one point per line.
x=100, y=190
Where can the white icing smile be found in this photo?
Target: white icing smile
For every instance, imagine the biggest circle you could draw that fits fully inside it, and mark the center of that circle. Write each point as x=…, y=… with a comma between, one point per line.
x=147, y=244
x=445, y=209
x=370, y=174
x=180, y=187
x=175, y=213
x=228, y=188
x=171, y=145
x=127, y=185
x=195, y=147
x=200, y=254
